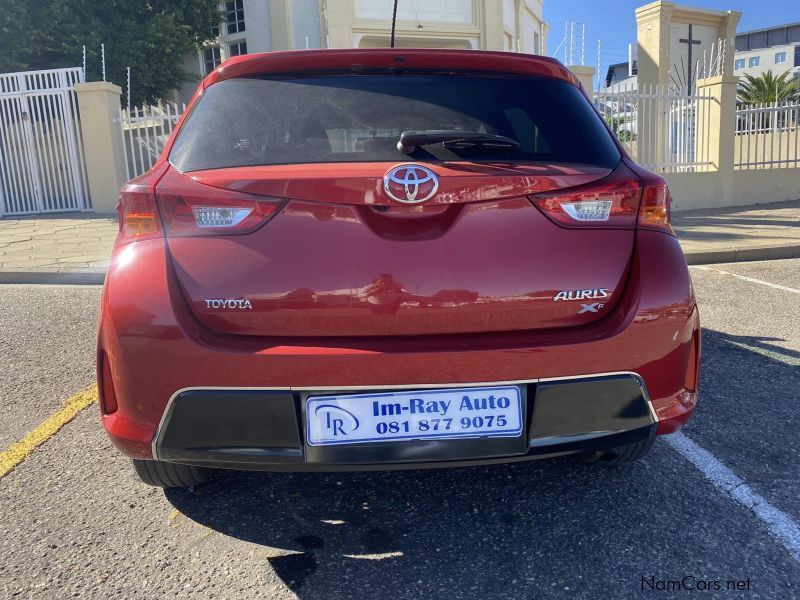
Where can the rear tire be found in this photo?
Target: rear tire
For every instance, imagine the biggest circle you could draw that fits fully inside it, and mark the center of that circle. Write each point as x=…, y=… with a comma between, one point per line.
x=621, y=455
x=170, y=475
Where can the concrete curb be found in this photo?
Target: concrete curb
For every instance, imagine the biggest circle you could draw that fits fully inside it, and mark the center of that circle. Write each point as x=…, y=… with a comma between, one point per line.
x=732, y=255
x=693, y=257
x=54, y=276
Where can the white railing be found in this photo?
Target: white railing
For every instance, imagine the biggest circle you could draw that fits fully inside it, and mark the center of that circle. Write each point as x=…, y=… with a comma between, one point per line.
x=42, y=163
x=145, y=131
x=767, y=136
x=663, y=128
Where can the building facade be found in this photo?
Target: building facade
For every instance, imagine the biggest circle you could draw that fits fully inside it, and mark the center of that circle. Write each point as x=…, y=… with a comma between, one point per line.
x=775, y=49
x=263, y=25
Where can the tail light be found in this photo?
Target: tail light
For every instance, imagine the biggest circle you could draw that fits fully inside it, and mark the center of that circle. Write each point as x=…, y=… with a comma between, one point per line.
x=617, y=202
x=138, y=215
x=182, y=207
x=655, y=213
x=610, y=203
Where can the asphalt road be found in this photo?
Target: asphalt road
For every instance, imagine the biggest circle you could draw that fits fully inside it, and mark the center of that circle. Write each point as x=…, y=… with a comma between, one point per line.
x=76, y=523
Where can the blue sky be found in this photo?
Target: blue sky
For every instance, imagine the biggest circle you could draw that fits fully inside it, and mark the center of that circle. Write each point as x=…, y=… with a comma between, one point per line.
x=614, y=23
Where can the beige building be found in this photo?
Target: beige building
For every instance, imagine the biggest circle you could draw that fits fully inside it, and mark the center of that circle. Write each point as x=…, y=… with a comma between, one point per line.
x=264, y=25
x=775, y=49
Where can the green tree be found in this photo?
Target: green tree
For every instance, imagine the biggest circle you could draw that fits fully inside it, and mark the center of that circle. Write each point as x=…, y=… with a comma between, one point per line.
x=767, y=89
x=152, y=37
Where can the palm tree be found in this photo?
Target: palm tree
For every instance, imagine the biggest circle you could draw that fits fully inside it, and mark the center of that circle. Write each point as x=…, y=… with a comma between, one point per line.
x=767, y=89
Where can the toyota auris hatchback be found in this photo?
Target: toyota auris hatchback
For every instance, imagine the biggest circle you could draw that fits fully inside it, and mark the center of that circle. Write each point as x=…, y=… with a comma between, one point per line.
x=389, y=259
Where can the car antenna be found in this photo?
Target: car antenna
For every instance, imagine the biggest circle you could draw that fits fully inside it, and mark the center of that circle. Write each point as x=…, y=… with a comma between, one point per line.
x=394, y=22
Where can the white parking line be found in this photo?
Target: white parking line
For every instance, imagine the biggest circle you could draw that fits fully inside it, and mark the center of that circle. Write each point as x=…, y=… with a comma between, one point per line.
x=780, y=525
x=750, y=279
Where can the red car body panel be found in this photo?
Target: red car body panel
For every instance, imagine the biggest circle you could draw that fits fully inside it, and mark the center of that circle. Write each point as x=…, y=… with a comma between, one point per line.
x=156, y=347
x=466, y=267
x=455, y=291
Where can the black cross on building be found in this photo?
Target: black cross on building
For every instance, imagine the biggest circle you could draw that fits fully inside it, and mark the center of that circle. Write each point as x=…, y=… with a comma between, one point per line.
x=691, y=42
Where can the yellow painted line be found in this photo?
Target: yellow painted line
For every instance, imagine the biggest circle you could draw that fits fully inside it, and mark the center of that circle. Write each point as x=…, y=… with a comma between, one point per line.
x=19, y=451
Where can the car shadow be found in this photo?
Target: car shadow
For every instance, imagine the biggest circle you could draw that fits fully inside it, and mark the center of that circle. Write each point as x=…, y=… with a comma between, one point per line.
x=523, y=530
x=390, y=533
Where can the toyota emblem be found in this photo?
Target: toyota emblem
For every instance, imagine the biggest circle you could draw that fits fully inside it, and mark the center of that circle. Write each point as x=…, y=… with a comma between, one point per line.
x=410, y=184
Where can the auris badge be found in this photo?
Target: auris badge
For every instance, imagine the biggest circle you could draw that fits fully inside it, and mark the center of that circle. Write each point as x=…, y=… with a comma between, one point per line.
x=589, y=307
x=596, y=294
x=410, y=184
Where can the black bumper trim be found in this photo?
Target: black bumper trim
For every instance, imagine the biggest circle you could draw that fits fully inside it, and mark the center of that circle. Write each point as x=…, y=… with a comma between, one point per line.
x=257, y=429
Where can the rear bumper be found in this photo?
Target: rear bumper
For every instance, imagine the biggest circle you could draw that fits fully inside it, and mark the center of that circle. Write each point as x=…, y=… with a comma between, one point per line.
x=155, y=349
x=262, y=429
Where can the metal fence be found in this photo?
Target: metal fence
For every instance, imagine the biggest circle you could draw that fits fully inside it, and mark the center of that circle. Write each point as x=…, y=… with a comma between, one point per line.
x=145, y=131
x=42, y=163
x=664, y=128
x=767, y=136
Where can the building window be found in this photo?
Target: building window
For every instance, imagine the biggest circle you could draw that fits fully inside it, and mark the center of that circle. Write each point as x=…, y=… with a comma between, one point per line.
x=739, y=64
x=780, y=57
x=754, y=61
x=237, y=49
x=211, y=59
x=234, y=15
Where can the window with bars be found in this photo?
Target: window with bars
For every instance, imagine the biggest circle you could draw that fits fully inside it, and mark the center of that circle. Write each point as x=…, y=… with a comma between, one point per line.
x=234, y=15
x=237, y=49
x=211, y=59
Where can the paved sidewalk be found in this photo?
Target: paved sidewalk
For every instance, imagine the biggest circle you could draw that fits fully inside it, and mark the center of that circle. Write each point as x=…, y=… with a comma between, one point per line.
x=75, y=248
x=68, y=248
x=759, y=232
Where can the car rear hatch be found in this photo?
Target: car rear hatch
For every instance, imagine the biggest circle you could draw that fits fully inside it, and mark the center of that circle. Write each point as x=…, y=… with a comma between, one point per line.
x=280, y=222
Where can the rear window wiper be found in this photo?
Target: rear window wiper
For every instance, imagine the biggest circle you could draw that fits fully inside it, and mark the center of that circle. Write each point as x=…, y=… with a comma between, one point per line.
x=454, y=139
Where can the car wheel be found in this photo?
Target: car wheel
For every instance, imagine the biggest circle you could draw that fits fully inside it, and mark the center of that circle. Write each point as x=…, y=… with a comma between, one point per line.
x=170, y=475
x=621, y=454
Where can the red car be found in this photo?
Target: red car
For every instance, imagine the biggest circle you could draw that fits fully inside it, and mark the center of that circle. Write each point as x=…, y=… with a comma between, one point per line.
x=389, y=259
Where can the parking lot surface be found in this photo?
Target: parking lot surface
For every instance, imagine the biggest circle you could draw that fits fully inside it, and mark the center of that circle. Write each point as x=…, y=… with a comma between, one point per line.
x=76, y=523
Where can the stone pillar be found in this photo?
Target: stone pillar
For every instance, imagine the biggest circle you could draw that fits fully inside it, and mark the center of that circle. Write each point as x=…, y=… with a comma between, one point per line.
x=727, y=31
x=716, y=127
x=339, y=21
x=652, y=34
x=585, y=75
x=280, y=25
x=491, y=21
x=98, y=103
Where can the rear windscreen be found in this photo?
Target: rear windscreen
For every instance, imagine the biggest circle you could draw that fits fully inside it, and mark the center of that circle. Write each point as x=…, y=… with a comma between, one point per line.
x=358, y=118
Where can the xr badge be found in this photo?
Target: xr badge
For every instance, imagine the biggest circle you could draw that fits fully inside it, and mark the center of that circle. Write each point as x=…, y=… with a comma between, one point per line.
x=593, y=307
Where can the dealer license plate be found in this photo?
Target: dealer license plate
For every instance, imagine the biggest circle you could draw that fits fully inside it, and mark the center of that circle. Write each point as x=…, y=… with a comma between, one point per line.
x=414, y=415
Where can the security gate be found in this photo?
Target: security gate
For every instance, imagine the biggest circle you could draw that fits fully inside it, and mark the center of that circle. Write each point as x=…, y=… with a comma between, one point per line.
x=42, y=167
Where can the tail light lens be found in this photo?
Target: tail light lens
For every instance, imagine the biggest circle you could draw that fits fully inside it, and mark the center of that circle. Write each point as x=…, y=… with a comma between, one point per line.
x=619, y=201
x=138, y=215
x=183, y=207
x=610, y=203
x=655, y=211
x=189, y=208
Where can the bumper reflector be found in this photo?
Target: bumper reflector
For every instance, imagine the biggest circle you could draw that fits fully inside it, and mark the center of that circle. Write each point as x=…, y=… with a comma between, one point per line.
x=108, y=397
